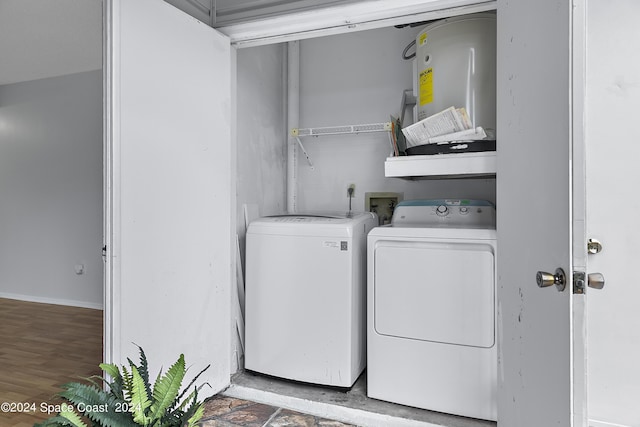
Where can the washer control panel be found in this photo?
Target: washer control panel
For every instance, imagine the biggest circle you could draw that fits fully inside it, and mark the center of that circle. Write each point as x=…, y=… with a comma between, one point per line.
x=445, y=213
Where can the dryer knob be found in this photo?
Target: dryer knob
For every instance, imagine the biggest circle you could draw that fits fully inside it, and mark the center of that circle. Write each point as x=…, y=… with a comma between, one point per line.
x=442, y=210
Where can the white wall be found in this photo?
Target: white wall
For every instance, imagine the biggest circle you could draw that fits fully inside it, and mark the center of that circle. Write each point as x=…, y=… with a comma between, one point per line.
x=613, y=149
x=41, y=38
x=356, y=79
x=261, y=139
x=51, y=189
x=261, y=150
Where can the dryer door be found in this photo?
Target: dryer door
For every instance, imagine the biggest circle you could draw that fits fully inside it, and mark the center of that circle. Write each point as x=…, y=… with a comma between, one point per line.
x=439, y=291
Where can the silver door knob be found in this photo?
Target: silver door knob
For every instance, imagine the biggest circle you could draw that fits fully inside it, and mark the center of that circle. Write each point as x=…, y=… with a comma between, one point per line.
x=595, y=280
x=545, y=279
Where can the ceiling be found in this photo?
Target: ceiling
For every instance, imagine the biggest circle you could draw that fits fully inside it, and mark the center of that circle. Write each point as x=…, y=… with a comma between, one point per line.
x=218, y=13
x=47, y=38
x=230, y=11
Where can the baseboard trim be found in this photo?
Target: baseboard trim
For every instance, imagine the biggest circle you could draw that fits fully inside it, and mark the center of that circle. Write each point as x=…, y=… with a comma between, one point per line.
x=56, y=301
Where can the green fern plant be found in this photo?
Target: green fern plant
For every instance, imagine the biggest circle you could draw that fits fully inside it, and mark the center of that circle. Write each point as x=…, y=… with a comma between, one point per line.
x=129, y=400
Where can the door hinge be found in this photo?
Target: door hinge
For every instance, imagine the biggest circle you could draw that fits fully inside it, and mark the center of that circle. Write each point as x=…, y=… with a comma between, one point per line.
x=104, y=253
x=579, y=282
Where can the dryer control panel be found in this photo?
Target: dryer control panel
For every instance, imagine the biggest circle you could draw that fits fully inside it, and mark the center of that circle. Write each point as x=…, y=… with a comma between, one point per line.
x=465, y=213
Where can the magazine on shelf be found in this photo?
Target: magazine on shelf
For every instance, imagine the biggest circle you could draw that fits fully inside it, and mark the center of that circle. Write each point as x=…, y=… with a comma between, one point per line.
x=452, y=124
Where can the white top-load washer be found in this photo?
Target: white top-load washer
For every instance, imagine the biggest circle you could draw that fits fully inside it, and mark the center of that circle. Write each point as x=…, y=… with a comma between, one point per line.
x=306, y=297
x=431, y=333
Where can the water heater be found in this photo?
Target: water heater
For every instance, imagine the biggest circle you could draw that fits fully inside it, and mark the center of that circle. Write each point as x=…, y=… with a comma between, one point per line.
x=456, y=66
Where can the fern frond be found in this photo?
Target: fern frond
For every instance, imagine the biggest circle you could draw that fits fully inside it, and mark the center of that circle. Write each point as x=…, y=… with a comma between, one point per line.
x=56, y=421
x=191, y=383
x=97, y=405
x=111, y=370
x=113, y=415
x=116, y=385
x=197, y=415
x=131, y=366
x=82, y=394
x=116, y=390
x=143, y=368
x=188, y=407
x=170, y=420
x=192, y=402
x=139, y=399
x=193, y=397
x=127, y=383
x=96, y=380
x=158, y=376
x=166, y=389
x=71, y=415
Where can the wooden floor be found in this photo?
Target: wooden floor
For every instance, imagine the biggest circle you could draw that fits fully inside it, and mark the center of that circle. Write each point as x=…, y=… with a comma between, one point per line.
x=41, y=347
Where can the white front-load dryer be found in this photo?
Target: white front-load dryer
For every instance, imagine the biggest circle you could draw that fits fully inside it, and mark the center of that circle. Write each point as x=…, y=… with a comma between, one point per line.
x=306, y=297
x=431, y=300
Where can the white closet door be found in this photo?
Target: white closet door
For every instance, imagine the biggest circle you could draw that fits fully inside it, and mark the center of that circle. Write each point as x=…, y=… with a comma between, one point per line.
x=534, y=213
x=168, y=189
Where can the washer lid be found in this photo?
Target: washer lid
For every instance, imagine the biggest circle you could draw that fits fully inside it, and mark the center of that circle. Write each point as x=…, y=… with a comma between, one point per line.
x=301, y=217
x=313, y=224
x=328, y=217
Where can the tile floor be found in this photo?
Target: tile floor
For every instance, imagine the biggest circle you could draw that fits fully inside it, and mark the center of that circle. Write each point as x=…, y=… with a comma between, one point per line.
x=301, y=396
x=222, y=411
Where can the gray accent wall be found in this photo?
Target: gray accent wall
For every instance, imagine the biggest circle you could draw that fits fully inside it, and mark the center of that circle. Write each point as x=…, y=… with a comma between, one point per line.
x=51, y=190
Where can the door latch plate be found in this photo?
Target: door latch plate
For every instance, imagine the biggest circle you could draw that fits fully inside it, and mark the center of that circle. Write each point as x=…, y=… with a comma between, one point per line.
x=579, y=282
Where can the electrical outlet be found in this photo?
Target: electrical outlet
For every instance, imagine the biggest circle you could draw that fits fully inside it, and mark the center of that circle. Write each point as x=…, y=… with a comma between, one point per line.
x=382, y=204
x=351, y=190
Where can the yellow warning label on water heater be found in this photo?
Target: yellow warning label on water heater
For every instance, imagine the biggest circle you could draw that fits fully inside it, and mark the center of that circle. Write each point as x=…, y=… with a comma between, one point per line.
x=426, y=86
x=422, y=39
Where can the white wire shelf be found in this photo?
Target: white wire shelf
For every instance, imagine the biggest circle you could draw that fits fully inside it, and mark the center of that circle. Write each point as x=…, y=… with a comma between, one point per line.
x=297, y=133
x=342, y=130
